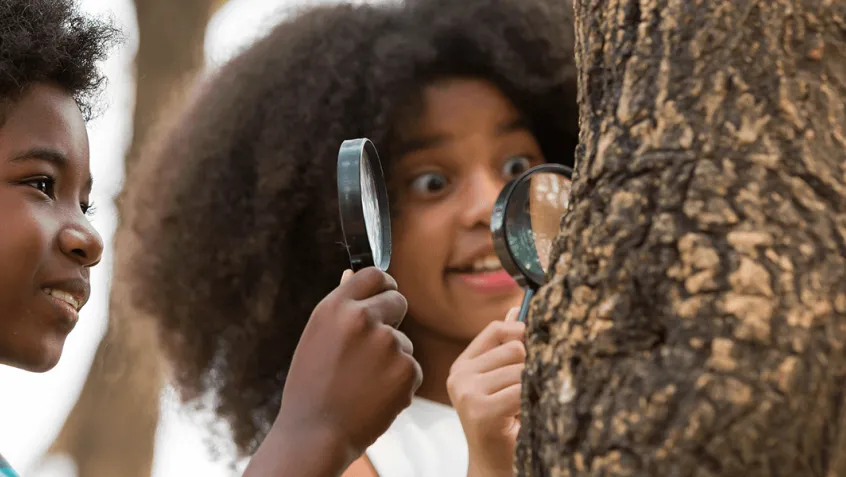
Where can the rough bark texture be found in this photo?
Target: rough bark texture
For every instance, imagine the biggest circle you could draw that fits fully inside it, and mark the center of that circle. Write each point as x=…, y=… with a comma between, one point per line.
x=695, y=322
x=111, y=430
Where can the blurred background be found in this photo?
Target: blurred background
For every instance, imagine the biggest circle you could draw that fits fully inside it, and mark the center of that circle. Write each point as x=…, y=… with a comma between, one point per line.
x=34, y=409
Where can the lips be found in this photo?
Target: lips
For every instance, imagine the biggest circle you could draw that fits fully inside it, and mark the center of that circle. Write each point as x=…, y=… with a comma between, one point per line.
x=486, y=264
x=66, y=297
x=482, y=273
x=73, y=292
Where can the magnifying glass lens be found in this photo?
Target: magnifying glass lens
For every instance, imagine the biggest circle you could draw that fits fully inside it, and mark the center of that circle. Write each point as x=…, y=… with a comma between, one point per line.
x=548, y=198
x=533, y=216
x=370, y=206
x=363, y=204
x=525, y=223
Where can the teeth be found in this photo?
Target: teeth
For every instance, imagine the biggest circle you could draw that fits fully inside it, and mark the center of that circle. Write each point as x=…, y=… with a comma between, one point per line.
x=64, y=296
x=487, y=264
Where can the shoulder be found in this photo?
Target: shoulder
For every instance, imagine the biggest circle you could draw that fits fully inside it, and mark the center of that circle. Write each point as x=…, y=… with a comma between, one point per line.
x=426, y=440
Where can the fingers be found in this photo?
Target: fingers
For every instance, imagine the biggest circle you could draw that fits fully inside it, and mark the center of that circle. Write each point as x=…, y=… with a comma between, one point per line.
x=418, y=376
x=493, y=335
x=387, y=308
x=512, y=352
x=505, y=402
x=406, y=369
x=512, y=314
x=514, y=431
x=346, y=276
x=405, y=343
x=502, y=378
x=367, y=283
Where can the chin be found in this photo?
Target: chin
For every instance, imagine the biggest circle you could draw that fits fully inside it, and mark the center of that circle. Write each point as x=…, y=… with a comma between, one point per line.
x=44, y=365
x=38, y=359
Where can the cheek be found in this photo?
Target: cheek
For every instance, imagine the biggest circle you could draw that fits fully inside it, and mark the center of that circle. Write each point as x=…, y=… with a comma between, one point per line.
x=421, y=244
x=24, y=249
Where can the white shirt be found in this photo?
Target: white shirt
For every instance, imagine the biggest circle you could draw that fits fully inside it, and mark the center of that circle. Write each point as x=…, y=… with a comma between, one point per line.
x=425, y=440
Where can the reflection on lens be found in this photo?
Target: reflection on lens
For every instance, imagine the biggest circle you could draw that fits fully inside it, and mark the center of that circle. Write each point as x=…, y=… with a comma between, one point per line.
x=525, y=222
x=533, y=217
x=370, y=204
x=549, y=196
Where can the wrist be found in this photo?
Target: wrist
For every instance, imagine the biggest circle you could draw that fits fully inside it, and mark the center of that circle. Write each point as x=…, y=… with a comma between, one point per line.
x=479, y=467
x=301, y=450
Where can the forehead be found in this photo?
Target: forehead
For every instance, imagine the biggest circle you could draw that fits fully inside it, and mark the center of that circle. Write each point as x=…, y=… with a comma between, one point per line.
x=45, y=117
x=462, y=103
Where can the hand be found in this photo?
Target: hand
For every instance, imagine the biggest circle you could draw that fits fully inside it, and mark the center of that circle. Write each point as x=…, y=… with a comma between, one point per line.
x=353, y=371
x=484, y=387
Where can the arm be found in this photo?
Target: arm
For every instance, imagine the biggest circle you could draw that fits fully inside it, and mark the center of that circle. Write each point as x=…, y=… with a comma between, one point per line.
x=484, y=386
x=366, y=377
x=309, y=454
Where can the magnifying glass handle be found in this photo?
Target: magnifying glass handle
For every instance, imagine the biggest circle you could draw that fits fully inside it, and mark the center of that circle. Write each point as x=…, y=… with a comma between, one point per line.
x=524, y=307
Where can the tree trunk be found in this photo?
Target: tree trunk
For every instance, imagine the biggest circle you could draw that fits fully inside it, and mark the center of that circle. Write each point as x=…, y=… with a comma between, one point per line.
x=111, y=430
x=695, y=322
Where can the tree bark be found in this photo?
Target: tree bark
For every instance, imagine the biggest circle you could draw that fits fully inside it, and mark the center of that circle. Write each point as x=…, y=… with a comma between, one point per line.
x=695, y=321
x=111, y=430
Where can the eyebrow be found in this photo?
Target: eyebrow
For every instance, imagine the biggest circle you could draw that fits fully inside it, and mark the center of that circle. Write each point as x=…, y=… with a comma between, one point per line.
x=419, y=144
x=53, y=157
x=517, y=124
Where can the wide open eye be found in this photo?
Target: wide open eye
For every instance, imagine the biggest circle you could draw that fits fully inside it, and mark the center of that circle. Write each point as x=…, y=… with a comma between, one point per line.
x=515, y=166
x=430, y=183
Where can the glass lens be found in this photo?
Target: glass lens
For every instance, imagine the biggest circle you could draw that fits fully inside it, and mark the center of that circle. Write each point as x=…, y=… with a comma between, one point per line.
x=370, y=204
x=549, y=196
x=533, y=218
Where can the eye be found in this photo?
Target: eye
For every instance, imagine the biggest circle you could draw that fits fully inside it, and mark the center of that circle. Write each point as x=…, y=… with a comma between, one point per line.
x=87, y=209
x=516, y=165
x=430, y=183
x=45, y=185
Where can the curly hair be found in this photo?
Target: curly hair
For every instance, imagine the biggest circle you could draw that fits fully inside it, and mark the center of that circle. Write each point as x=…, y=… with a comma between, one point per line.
x=236, y=213
x=50, y=41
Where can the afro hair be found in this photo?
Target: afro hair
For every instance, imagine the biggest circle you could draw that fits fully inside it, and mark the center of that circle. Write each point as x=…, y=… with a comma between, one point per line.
x=236, y=212
x=50, y=41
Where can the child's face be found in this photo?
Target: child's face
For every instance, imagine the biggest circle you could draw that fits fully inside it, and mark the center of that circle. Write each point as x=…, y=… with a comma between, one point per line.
x=468, y=142
x=46, y=242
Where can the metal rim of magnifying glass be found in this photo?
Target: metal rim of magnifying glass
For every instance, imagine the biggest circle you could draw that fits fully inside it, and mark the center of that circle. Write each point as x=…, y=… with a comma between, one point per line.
x=499, y=223
x=353, y=224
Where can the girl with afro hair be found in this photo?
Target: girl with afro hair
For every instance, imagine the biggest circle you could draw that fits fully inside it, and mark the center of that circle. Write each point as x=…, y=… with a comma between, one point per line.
x=239, y=235
x=48, y=78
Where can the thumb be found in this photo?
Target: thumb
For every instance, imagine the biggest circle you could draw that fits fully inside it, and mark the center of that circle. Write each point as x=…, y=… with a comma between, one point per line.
x=512, y=314
x=514, y=431
x=346, y=276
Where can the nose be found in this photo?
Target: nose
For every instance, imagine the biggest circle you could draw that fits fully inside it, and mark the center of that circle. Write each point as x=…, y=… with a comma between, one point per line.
x=81, y=243
x=479, y=199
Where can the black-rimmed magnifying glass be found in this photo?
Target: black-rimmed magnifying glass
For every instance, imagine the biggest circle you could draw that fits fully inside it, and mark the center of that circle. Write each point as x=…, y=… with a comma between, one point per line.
x=525, y=222
x=363, y=203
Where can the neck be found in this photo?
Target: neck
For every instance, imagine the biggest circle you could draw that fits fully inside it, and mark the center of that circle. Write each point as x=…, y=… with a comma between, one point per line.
x=435, y=353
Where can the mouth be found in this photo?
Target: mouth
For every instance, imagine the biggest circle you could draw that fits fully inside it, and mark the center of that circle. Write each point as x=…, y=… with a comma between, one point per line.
x=66, y=298
x=487, y=264
x=484, y=275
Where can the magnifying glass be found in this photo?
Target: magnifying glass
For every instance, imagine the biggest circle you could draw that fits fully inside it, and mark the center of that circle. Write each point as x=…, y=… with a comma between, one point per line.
x=525, y=222
x=363, y=203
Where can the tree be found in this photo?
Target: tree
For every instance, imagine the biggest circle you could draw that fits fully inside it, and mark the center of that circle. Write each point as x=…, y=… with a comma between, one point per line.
x=695, y=321
x=111, y=430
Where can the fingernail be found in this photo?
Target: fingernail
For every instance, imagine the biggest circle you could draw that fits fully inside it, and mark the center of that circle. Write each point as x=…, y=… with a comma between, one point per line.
x=512, y=314
x=344, y=276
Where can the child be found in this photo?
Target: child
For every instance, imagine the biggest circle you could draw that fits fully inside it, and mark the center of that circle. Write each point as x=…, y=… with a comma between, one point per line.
x=238, y=222
x=48, y=75
x=47, y=245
